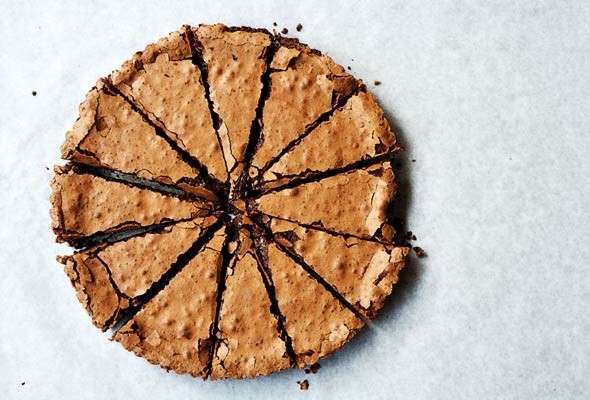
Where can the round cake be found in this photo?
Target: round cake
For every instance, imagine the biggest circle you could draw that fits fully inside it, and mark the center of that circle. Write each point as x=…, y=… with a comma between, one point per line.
x=228, y=193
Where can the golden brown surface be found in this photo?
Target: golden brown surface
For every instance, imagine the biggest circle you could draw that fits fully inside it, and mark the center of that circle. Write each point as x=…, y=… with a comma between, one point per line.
x=249, y=340
x=354, y=203
x=356, y=132
x=173, y=329
x=107, y=123
x=236, y=62
x=255, y=270
x=363, y=271
x=316, y=322
x=164, y=83
x=82, y=205
x=304, y=86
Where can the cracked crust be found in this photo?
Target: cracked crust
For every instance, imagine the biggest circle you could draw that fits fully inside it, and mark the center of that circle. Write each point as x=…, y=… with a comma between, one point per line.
x=363, y=271
x=82, y=205
x=316, y=321
x=163, y=82
x=355, y=132
x=249, y=342
x=355, y=202
x=94, y=288
x=106, y=124
x=304, y=85
x=236, y=63
x=172, y=330
x=108, y=278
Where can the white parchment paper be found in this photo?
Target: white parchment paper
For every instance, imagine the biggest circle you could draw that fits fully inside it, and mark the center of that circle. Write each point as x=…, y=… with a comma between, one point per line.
x=493, y=99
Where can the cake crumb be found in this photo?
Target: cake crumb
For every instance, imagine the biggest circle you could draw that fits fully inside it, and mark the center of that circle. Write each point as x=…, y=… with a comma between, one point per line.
x=274, y=24
x=303, y=385
x=377, y=83
x=22, y=384
x=413, y=160
x=410, y=235
x=348, y=67
x=34, y=93
x=419, y=252
x=299, y=27
x=285, y=31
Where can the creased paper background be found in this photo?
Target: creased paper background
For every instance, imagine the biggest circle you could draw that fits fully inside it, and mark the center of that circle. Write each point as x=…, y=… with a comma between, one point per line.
x=493, y=99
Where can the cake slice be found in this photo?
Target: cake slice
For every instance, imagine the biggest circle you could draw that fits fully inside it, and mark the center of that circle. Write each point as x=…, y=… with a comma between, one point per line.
x=362, y=271
x=109, y=133
x=165, y=85
x=173, y=329
x=315, y=320
x=358, y=131
x=83, y=205
x=304, y=85
x=236, y=61
x=353, y=203
x=248, y=340
x=108, y=278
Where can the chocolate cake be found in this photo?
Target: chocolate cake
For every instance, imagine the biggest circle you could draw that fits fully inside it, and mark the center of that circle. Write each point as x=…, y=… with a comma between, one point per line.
x=228, y=192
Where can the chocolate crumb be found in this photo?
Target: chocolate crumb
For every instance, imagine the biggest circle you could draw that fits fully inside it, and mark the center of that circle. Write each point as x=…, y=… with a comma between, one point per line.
x=304, y=384
x=274, y=24
x=315, y=367
x=285, y=31
x=377, y=83
x=348, y=67
x=34, y=93
x=47, y=168
x=419, y=252
x=307, y=371
x=413, y=160
x=22, y=384
x=299, y=27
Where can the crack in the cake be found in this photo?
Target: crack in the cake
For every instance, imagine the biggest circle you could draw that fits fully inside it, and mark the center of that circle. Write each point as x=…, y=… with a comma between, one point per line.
x=310, y=176
x=134, y=180
x=261, y=256
x=123, y=232
x=182, y=260
x=197, y=59
x=80, y=288
x=213, y=339
x=118, y=292
x=244, y=183
x=298, y=259
x=309, y=128
x=209, y=181
x=320, y=227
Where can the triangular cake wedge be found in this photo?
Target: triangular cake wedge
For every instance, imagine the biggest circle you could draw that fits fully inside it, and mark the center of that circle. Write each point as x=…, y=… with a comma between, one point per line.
x=315, y=320
x=109, y=278
x=236, y=61
x=353, y=203
x=304, y=85
x=109, y=133
x=163, y=82
x=83, y=205
x=173, y=329
x=362, y=271
x=358, y=131
x=248, y=340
